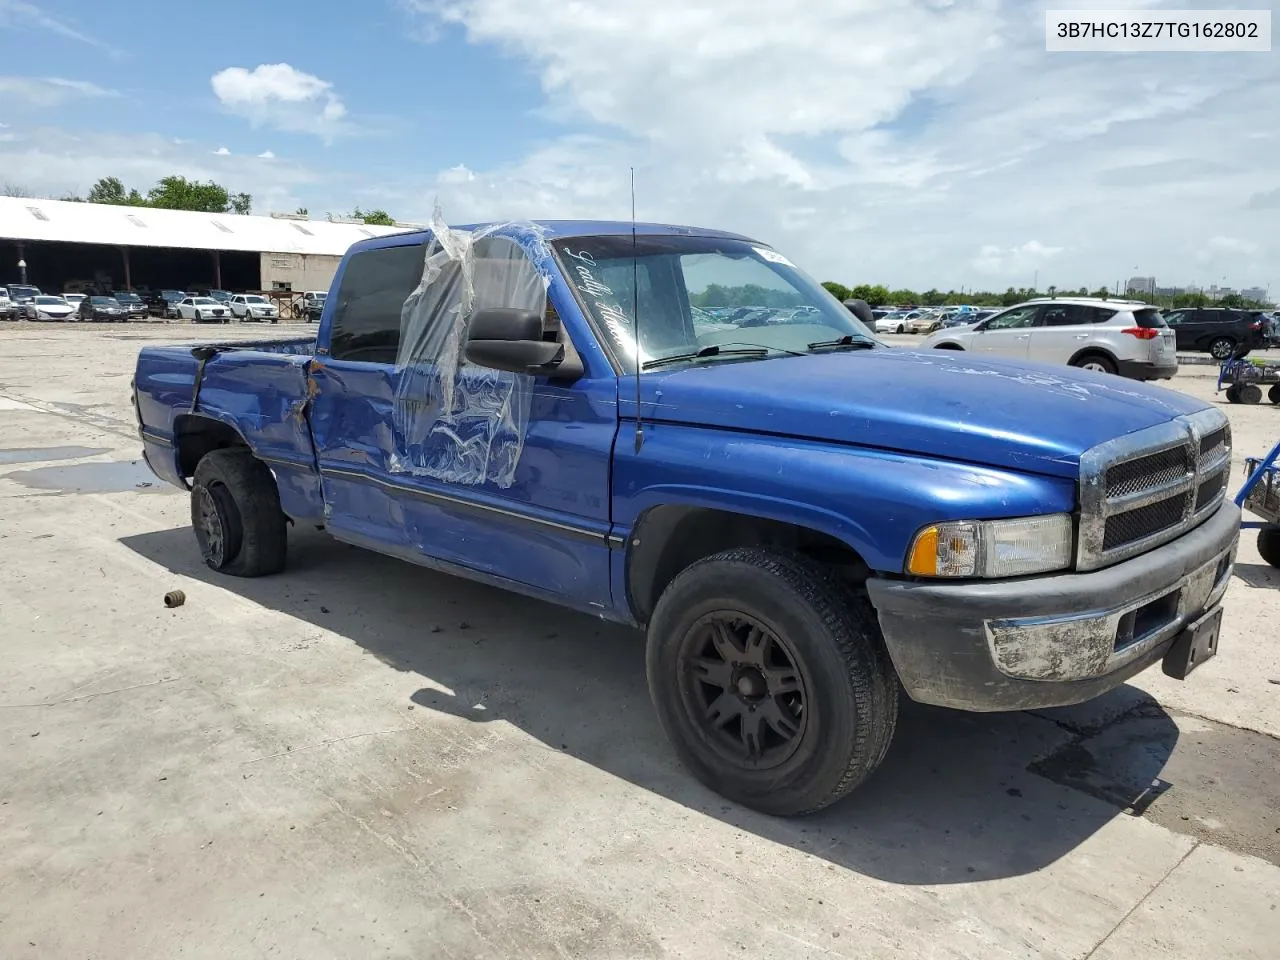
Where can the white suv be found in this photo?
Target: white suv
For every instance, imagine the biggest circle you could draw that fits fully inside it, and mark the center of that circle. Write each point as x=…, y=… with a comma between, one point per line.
x=1127, y=337
x=252, y=306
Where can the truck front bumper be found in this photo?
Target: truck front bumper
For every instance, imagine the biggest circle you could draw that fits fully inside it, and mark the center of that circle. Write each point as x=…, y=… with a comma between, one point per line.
x=1052, y=640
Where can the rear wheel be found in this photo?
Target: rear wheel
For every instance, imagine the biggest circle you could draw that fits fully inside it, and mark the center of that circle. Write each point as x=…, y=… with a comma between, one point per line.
x=901, y=329
x=1095, y=362
x=1250, y=393
x=771, y=680
x=1269, y=544
x=235, y=511
x=1233, y=394
x=1274, y=393
x=1220, y=347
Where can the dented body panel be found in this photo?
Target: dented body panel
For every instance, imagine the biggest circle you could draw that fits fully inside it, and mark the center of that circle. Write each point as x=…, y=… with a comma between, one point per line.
x=543, y=486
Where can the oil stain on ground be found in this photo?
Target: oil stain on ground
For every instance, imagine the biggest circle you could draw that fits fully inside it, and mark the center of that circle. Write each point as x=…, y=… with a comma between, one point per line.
x=111, y=477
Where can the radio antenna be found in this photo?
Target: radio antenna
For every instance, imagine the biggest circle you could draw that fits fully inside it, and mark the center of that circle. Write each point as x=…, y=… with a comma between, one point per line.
x=635, y=309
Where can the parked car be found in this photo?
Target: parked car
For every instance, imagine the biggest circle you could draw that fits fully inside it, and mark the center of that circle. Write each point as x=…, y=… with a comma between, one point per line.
x=104, y=310
x=312, y=305
x=253, y=306
x=164, y=303
x=927, y=322
x=1001, y=553
x=45, y=307
x=201, y=309
x=222, y=296
x=8, y=309
x=895, y=322
x=1215, y=330
x=21, y=293
x=134, y=306
x=1127, y=337
x=75, y=299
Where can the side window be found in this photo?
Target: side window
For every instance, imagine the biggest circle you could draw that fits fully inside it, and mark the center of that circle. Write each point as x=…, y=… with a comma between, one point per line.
x=1065, y=315
x=375, y=284
x=1175, y=317
x=1012, y=319
x=1099, y=314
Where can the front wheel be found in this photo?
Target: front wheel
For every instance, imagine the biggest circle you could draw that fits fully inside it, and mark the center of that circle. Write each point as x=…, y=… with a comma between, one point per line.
x=235, y=511
x=1221, y=347
x=1250, y=393
x=1274, y=393
x=771, y=680
x=1269, y=544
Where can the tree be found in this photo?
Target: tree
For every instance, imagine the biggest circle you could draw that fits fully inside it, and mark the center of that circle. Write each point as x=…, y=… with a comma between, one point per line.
x=1101, y=292
x=108, y=190
x=179, y=193
x=903, y=297
x=933, y=298
x=838, y=290
x=302, y=212
x=376, y=217
x=241, y=203
x=1231, y=300
x=8, y=189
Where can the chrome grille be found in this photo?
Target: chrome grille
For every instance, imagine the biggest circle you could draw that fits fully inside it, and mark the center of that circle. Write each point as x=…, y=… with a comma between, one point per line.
x=1146, y=473
x=1149, y=487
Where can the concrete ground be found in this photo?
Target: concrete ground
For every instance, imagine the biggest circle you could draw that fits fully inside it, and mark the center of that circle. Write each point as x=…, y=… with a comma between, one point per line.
x=360, y=758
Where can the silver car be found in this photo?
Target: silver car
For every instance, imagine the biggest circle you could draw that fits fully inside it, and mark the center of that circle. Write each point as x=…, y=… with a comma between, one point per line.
x=1127, y=337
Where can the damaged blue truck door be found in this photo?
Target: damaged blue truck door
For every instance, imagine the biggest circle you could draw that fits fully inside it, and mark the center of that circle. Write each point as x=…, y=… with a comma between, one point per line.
x=397, y=478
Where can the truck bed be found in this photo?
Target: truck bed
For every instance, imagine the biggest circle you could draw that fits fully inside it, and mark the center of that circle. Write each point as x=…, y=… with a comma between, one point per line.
x=251, y=392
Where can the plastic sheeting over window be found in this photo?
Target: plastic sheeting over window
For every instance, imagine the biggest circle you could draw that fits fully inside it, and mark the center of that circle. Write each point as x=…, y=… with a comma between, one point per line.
x=455, y=421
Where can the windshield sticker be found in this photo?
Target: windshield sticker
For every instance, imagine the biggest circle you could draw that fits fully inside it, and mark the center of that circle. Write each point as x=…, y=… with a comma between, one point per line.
x=607, y=307
x=773, y=256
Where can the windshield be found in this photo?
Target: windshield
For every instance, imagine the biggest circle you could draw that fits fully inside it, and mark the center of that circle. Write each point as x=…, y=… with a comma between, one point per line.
x=51, y=301
x=16, y=291
x=204, y=301
x=104, y=301
x=255, y=299
x=128, y=298
x=699, y=292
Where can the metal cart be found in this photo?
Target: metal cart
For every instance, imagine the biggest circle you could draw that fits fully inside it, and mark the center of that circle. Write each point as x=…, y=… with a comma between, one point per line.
x=1244, y=378
x=1260, y=495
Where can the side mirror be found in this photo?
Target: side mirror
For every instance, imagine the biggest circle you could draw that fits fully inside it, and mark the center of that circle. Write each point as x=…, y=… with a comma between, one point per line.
x=508, y=338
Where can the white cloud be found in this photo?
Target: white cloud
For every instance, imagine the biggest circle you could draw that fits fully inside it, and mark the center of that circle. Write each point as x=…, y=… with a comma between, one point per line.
x=1232, y=245
x=1014, y=260
x=280, y=96
x=266, y=155
x=458, y=174
x=52, y=162
x=222, y=152
x=933, y=139
x=17, y=13
x=45, y=92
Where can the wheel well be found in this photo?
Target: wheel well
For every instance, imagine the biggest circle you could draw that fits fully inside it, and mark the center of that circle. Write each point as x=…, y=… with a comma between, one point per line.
x=1092, y=352
x=668, y=539
x=947, y=346
x=195, y=436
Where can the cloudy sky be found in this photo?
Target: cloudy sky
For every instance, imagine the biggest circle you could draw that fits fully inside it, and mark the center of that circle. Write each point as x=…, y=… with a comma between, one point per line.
x=909, y=142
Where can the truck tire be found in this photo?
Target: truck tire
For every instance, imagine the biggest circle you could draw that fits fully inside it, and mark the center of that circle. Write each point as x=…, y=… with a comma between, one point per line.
x=1249, y=393
x=235, y=511
x=770, y=680
x=1233, y=394
x=1274, y=393
x=1269, y=544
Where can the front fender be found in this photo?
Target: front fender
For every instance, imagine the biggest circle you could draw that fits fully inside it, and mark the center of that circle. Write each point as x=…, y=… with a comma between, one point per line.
x=875, y=501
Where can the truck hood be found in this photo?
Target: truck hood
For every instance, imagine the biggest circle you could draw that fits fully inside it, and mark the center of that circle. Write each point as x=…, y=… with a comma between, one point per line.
x=937, y=403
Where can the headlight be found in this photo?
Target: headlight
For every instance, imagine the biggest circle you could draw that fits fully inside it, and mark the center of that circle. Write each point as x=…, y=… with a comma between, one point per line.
x=992, y=548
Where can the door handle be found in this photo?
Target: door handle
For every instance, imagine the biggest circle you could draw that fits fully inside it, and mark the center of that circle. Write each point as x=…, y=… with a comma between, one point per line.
x=1082, y=336
x=1025, y=336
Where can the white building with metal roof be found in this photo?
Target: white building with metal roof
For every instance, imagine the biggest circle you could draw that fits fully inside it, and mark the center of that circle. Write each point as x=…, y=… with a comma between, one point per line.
x=66, y=243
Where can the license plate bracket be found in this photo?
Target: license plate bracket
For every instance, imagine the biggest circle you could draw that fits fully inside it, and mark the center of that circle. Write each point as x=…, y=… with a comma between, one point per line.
x=1196, y=643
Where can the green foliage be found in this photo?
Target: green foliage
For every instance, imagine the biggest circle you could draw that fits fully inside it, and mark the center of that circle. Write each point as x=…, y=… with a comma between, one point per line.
x=749, y=295
x=172, y=193
x=838, y=290
x=1231, y=300
x=378, y=218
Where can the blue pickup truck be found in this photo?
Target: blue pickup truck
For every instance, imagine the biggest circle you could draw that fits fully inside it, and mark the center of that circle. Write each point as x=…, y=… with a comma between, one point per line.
x=676, y=428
